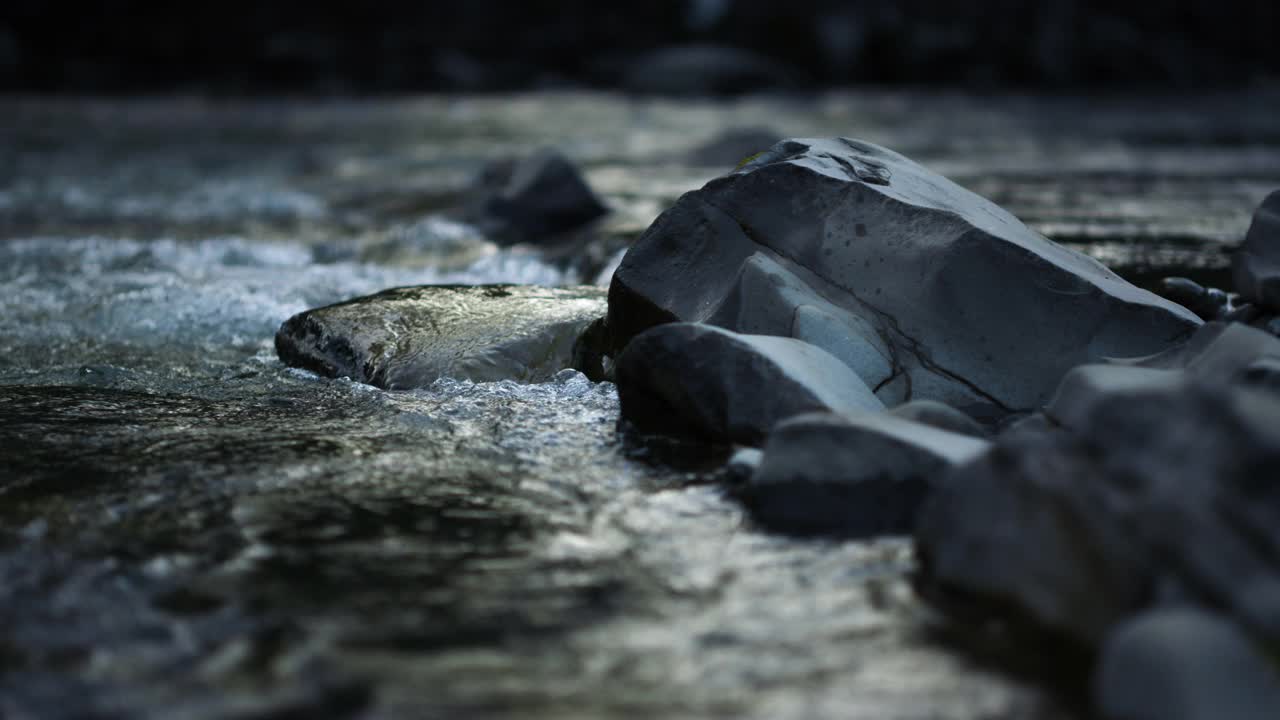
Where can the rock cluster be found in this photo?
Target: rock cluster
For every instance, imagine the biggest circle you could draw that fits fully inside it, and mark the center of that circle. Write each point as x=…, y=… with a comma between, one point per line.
x=1076, y=456
x=892, y=354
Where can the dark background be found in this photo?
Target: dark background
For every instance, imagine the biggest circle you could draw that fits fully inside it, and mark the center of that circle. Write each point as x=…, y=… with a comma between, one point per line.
x=126, y=46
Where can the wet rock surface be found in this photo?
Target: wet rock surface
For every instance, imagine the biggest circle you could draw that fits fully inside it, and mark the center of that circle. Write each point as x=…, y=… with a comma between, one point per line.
x=188, y=527
x=712, y=384
x=410, y=337
x=850, y=476
x=925, y=289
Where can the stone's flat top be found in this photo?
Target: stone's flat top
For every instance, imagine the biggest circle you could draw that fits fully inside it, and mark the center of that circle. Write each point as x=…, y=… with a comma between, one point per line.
x=900, y=178
x=1084, y=386
x=949, y=446
x=905, y=180
x=812, y=367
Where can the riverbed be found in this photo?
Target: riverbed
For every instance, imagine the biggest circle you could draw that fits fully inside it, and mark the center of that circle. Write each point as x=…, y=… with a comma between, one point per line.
x=189, y=528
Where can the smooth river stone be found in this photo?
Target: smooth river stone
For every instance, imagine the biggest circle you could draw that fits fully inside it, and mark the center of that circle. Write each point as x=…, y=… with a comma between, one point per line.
x=410, y=337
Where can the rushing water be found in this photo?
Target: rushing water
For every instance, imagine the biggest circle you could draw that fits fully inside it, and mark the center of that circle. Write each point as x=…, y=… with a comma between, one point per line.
x=187, y=528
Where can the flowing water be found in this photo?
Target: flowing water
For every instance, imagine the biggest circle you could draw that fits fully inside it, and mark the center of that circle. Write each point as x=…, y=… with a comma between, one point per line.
x=188, y=528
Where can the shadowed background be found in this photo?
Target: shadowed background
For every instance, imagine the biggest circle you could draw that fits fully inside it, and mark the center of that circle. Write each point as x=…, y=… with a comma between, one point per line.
x=488, y=45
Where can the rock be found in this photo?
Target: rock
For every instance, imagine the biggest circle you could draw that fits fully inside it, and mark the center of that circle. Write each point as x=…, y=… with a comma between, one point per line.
x=1177, y=357
x=1157, y=487
x=1208, y=303
x=1263, y=374
x=1232, y=352
x=696, y=70
x=734, y=146
x=1087, y=386
x=926, y=290
x=409, y=337
x=699, y=380
x=533, y=200
x=1217, y=351
x=1184, y=664
x=941, y=416
x=1256, y=263
x=858, y=476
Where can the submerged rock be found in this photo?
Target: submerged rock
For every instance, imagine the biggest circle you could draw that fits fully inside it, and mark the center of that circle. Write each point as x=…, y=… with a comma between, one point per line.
x=409, y=337
x=1156, y=487
x=925, y=289
x=703, y=381
x=533, y=199
x=856, y=476
x=1256, y=263
x=1184, y=664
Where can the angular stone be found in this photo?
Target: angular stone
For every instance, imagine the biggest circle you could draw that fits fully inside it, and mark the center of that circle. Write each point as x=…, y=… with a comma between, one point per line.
x=409, y=337
x=925, y=289
x=533, y=199
x=700, y=380
x=1256, y=263
x=1184, y=664
x=851, y=476
x=1154, y=490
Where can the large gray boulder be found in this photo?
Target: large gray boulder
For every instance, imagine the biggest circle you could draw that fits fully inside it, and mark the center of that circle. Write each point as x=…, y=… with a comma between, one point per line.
x=1256, y=263
x=925, y=289
x=706, y=382
x=1184, y=664
x=410, y=337
x=851, y=476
